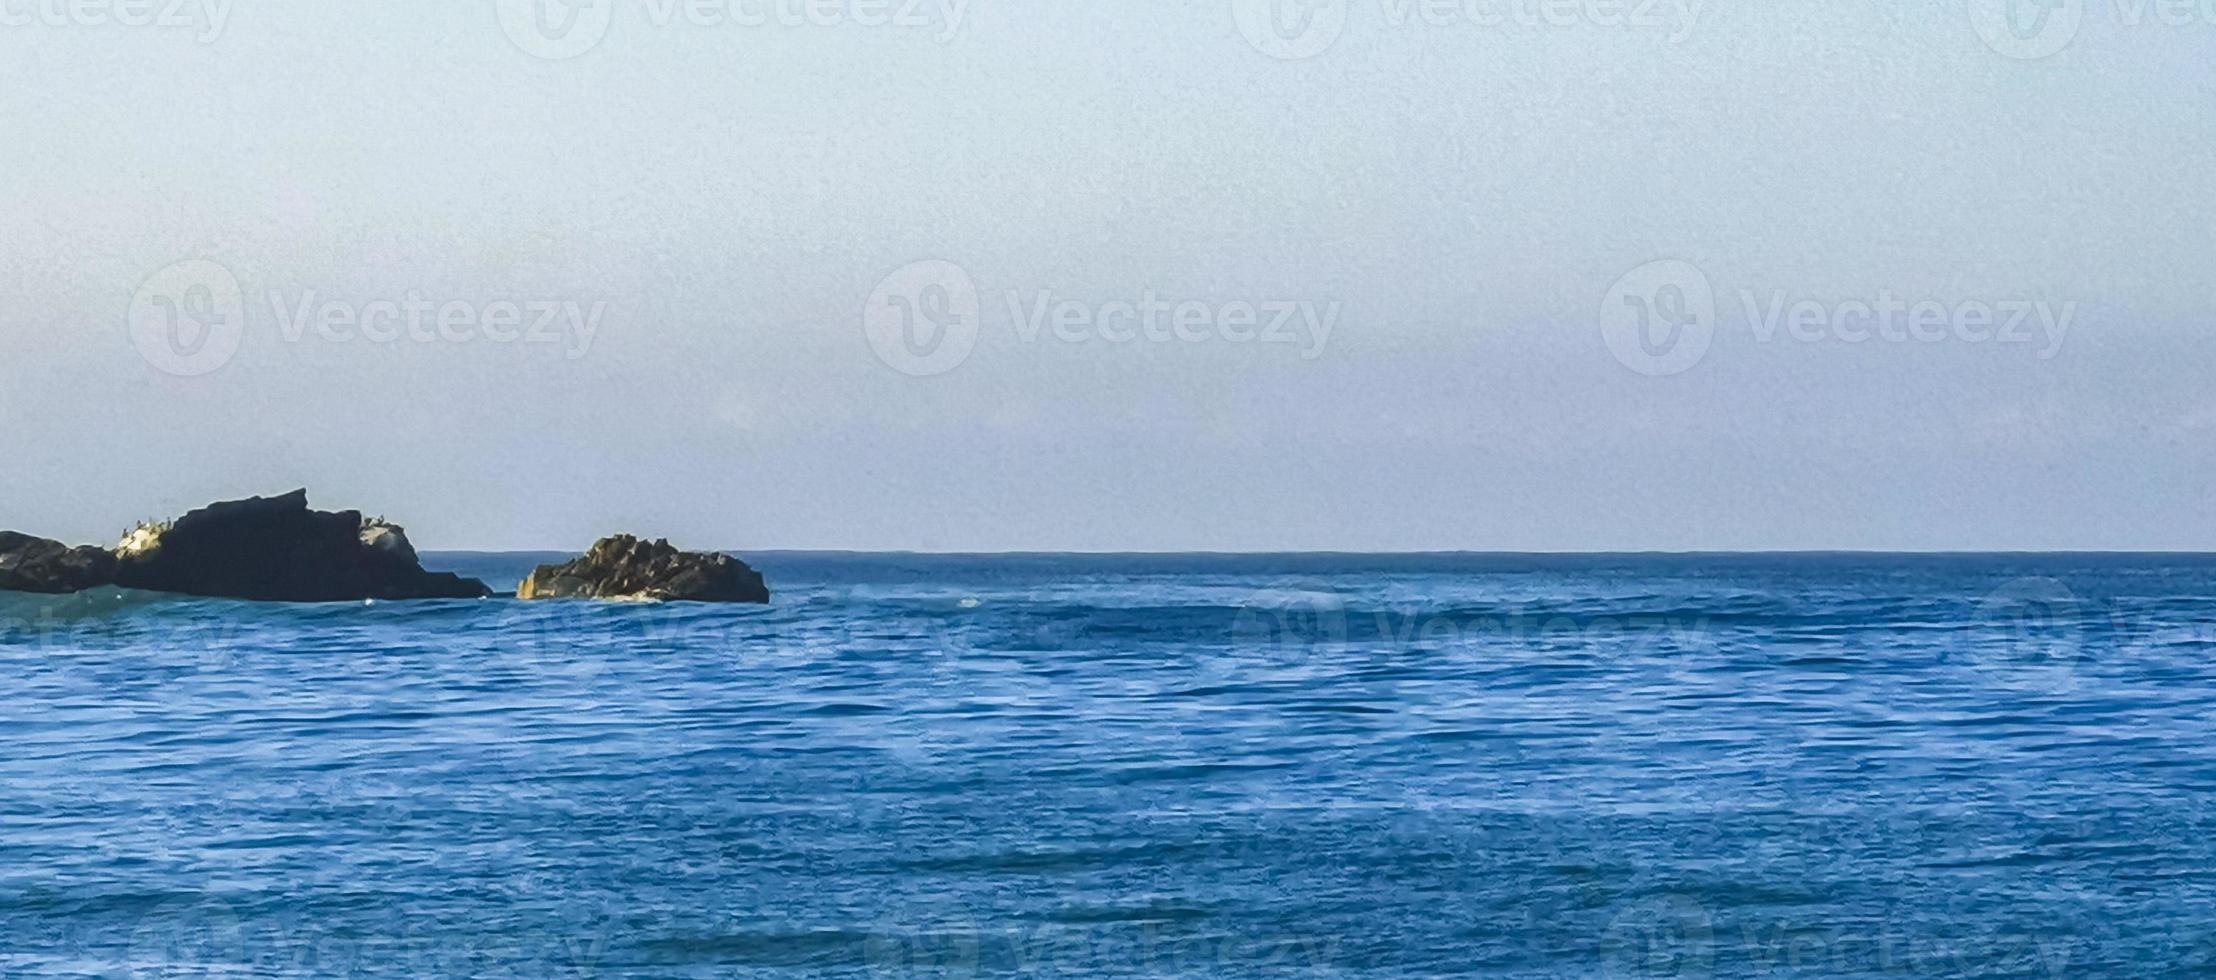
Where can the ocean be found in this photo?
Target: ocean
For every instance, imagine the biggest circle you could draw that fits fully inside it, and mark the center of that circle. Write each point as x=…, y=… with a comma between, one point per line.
x=1823, y=765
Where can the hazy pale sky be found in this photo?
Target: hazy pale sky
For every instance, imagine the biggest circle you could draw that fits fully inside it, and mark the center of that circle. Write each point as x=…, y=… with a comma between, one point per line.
x=1365, y=275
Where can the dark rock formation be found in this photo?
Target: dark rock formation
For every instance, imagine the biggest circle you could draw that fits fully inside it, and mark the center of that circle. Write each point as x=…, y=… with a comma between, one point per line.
x=29, y=564
x=624, y=567
x=275, y=549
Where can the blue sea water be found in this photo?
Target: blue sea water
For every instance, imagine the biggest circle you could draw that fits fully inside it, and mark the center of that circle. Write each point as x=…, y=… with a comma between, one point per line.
x=1091, y=766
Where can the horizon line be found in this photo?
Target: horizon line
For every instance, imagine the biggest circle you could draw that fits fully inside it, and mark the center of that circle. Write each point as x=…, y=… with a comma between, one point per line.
x=1446, y=553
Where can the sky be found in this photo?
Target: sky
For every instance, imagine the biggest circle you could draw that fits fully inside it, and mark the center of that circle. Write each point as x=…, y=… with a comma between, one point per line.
x=1228, y=275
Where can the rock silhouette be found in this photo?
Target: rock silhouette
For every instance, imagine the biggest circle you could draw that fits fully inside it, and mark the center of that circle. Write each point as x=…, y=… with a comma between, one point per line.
x=29, y=564
x=274, y=549
x=625, y=567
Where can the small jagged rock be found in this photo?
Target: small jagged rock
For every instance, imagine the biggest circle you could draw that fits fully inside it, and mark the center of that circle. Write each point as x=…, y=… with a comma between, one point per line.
x=29, y=564
x=625, y=567
x=274, y=549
